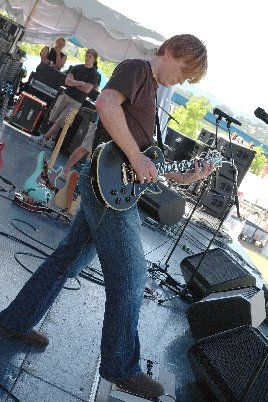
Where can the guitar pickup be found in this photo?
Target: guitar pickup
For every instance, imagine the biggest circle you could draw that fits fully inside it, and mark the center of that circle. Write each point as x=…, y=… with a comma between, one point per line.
x=124, y=174
x=133, y=175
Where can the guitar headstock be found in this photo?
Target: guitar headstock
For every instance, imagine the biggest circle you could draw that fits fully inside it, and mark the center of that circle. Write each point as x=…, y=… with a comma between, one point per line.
x=214, y=157
x=70, y=116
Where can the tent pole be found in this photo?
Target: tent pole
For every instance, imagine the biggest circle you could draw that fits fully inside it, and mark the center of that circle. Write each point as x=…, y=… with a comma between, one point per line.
x=29, y=18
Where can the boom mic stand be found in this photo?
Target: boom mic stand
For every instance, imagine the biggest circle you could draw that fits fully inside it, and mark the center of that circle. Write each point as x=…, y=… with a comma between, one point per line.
x=182, y=290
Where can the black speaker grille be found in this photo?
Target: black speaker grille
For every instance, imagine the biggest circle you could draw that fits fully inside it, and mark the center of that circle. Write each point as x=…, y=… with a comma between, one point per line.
x=229, y=268
x=237, y=361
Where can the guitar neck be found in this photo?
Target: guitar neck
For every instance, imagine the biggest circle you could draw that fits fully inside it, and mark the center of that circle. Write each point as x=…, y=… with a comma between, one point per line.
x=69, y=120
x=57, y=148
x=182, y=167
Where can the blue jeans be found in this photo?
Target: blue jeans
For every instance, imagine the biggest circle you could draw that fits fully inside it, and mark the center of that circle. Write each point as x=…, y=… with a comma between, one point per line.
x=115, y=236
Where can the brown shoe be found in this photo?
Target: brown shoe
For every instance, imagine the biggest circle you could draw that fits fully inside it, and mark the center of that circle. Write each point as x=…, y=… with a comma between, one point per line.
x=142, y=385
x=34, y=337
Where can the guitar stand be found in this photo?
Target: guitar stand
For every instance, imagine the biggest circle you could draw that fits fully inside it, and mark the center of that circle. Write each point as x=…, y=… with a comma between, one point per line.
x=25, y=201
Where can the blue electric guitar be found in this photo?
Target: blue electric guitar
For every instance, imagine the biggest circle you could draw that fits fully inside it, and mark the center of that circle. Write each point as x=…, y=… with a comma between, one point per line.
x=42, y=184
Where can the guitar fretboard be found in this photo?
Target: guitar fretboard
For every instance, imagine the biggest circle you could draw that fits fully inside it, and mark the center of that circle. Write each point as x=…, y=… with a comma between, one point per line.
x=182, y=167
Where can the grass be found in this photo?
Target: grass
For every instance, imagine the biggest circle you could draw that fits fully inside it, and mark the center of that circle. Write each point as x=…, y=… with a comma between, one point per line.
x=261, y=263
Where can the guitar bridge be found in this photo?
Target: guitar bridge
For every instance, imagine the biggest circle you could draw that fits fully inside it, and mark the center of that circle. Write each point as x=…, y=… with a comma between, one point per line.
x=124, y=174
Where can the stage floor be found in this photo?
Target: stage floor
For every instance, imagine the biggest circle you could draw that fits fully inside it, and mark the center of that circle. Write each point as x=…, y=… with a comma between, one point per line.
x=64, y=372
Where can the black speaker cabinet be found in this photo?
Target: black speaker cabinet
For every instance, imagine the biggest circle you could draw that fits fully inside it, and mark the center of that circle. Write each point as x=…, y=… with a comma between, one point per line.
x=216, y=204
x=222, y=185
x=243, y=156
x=27, y=112
x=78, y=130
x=233, y=365
x=226, y=170
x=209, y=138
x=182, y=147
x=222, y=311
x=166, y=207
x=218, y=271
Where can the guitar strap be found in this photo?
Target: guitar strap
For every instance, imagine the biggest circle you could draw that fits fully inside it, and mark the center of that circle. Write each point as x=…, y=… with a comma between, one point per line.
x=157, y=129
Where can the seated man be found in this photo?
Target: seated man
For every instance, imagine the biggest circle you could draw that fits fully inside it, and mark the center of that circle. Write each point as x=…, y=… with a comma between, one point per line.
x=80, y=81
x=54, y=57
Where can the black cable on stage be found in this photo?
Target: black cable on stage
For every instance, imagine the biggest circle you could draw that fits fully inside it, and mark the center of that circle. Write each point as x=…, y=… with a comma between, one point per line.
x=9, y=393
x=42, y=258
x=26, y=234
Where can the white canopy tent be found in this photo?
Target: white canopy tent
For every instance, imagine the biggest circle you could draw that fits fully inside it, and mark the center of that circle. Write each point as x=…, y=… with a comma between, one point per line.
x=93, y=24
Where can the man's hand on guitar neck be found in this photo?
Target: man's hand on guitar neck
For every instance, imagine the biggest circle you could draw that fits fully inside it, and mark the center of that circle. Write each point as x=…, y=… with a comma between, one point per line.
x=191, y=177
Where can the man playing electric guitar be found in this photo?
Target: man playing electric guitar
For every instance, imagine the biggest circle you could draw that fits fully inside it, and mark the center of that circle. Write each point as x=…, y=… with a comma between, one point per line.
x=126, y=109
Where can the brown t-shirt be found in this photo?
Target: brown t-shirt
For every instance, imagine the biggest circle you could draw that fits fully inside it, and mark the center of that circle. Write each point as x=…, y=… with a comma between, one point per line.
x=134, y=79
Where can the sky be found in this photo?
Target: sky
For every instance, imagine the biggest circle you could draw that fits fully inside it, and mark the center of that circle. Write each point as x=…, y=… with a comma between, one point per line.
x=235, y=33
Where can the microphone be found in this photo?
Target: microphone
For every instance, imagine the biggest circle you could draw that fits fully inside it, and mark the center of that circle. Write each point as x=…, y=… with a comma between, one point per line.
x=226, y=116
x=261, y=114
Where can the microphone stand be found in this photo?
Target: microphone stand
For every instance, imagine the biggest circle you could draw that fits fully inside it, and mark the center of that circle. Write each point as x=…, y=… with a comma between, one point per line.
x=234, y=172
x=182, y=290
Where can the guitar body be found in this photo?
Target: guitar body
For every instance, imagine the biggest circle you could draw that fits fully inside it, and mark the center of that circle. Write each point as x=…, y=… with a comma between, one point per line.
x=114, y=181
x=35, y=186
x=64, y=196
x=42, y=184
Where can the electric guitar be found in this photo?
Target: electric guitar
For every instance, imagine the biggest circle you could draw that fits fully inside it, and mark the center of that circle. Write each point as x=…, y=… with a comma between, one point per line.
x=42, y=184
x=115, y=182
x=64, y=197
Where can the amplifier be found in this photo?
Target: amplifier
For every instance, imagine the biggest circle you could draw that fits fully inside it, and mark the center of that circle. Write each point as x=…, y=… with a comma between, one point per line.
x=232, y=365
x=78, y=130
x=226, y=170
x=218, y=271
x=11, y=32
x=216, y=204
x=166, y=207
x=27, y=112
x=221, y=311
x=182, y=147
x=222, y=185
x=242, y=155
x=209, y=138
x=49, y=76
x=44, y=88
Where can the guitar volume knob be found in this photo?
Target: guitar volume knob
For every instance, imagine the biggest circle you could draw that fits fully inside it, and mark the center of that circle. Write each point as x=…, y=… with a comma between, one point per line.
x=118, y=200
x=128, y=199
x=113, y=192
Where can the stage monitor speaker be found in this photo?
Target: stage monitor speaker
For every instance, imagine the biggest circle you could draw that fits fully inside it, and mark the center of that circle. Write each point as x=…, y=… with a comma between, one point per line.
x=222, y=311
x=232, y=365
x=167, y=207
x=218, y=271
x=215, y=204
x=27, y=112
x=182, y=147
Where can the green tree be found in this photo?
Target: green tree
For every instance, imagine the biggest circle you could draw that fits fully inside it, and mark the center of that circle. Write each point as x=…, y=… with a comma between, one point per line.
x=190, y=116
x=259, y=161
x=31, y=48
